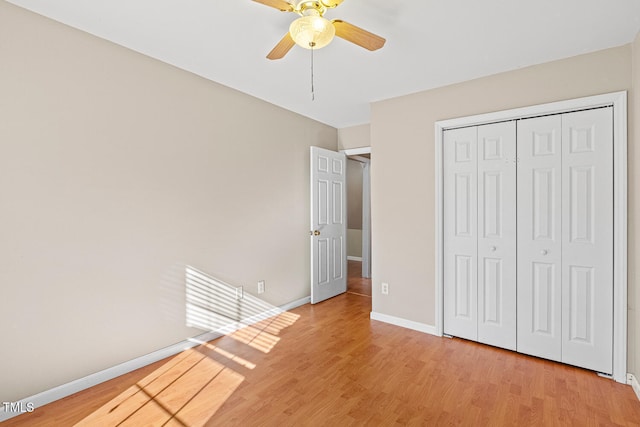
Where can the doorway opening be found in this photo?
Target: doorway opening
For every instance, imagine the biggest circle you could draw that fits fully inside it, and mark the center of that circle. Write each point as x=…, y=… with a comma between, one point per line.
x=359, y=221
x=329, y=217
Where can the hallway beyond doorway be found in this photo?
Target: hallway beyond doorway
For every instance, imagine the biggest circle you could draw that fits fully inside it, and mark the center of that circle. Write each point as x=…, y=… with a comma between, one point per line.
x=356, y=284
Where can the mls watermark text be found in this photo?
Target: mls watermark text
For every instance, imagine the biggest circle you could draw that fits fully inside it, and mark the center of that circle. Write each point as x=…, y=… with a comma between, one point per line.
x=20, y=407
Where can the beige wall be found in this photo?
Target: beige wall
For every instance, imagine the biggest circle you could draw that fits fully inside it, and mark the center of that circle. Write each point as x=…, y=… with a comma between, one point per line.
x=634, y=215
x=354, y=137
x=354, y=194
x=354, y=242
x=116, y=171
x=402, y=138
x=354, y=208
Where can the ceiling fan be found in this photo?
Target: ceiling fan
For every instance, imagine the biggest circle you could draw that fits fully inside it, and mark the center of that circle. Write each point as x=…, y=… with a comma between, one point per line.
x=313, y=31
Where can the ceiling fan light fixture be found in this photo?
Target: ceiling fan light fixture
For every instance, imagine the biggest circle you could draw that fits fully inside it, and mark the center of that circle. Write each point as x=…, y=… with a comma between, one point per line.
x=312, y=31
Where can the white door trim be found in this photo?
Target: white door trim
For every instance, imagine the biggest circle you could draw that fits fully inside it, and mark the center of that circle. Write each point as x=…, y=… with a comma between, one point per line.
x=356, y=151
x=619, y=102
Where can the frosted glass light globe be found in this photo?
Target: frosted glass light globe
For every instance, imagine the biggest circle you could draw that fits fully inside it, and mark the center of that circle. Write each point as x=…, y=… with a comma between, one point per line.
x=312, y=32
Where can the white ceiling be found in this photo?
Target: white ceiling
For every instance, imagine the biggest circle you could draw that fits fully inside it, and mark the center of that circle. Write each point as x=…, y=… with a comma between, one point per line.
x=429, y=43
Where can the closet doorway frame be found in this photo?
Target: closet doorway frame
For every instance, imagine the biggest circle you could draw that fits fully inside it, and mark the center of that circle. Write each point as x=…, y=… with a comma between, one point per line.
x=617, y=100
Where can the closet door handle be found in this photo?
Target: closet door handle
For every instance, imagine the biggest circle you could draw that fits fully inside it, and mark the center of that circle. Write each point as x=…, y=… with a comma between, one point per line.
x=493, y=248
x=544, y=252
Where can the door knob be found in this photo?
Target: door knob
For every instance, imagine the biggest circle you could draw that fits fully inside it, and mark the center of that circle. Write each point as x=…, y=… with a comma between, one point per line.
x=314, y=233
x=493, y=248
x=544, y=252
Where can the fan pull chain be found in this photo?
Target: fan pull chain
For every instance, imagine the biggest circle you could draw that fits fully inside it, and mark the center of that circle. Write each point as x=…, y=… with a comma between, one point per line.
x=313, y=94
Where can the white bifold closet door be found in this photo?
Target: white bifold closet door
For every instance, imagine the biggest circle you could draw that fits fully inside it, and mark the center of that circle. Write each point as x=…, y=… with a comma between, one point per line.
x=565, y=238
x=460, y=157
x=539, y=237
x=480, y=234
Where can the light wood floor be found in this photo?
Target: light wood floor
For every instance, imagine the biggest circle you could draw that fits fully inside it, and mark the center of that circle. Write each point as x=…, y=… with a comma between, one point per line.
x=330, y=365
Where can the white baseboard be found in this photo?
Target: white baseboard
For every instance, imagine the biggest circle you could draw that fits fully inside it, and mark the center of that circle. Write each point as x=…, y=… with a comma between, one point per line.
x=633, y=382
x=80, y=384
x=410, y=324
x=354, y=258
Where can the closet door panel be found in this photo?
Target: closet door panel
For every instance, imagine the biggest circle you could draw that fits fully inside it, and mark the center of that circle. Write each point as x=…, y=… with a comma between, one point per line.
x=539, y=250
x=460, y=233
x=497, y=234
x=587, y=252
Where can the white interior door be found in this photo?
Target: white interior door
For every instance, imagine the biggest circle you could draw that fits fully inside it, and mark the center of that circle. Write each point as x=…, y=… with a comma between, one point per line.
x=497, y=234
x=460, y=237
x=587, y=239
x=539, y=237
x=328, y=224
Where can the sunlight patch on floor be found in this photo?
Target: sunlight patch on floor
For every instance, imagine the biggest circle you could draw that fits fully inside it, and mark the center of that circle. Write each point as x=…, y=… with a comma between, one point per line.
x=189, y=388
x=256, y=338
x=237, y=359
x=192, y=386
x=262, y=335
x=186, y=391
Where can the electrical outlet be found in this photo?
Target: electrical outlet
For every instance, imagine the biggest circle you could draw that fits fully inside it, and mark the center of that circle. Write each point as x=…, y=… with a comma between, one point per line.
x=239, y=292
x=261, y=287
x=385, y=288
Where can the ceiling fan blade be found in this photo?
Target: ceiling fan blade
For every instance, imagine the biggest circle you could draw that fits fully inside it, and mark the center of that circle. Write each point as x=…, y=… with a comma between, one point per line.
x=357, y=35
x=281, y=49
x=278, y=4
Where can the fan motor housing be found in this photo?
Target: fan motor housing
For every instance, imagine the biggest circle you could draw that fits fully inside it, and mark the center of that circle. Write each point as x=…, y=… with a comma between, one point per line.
x=310, y=7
